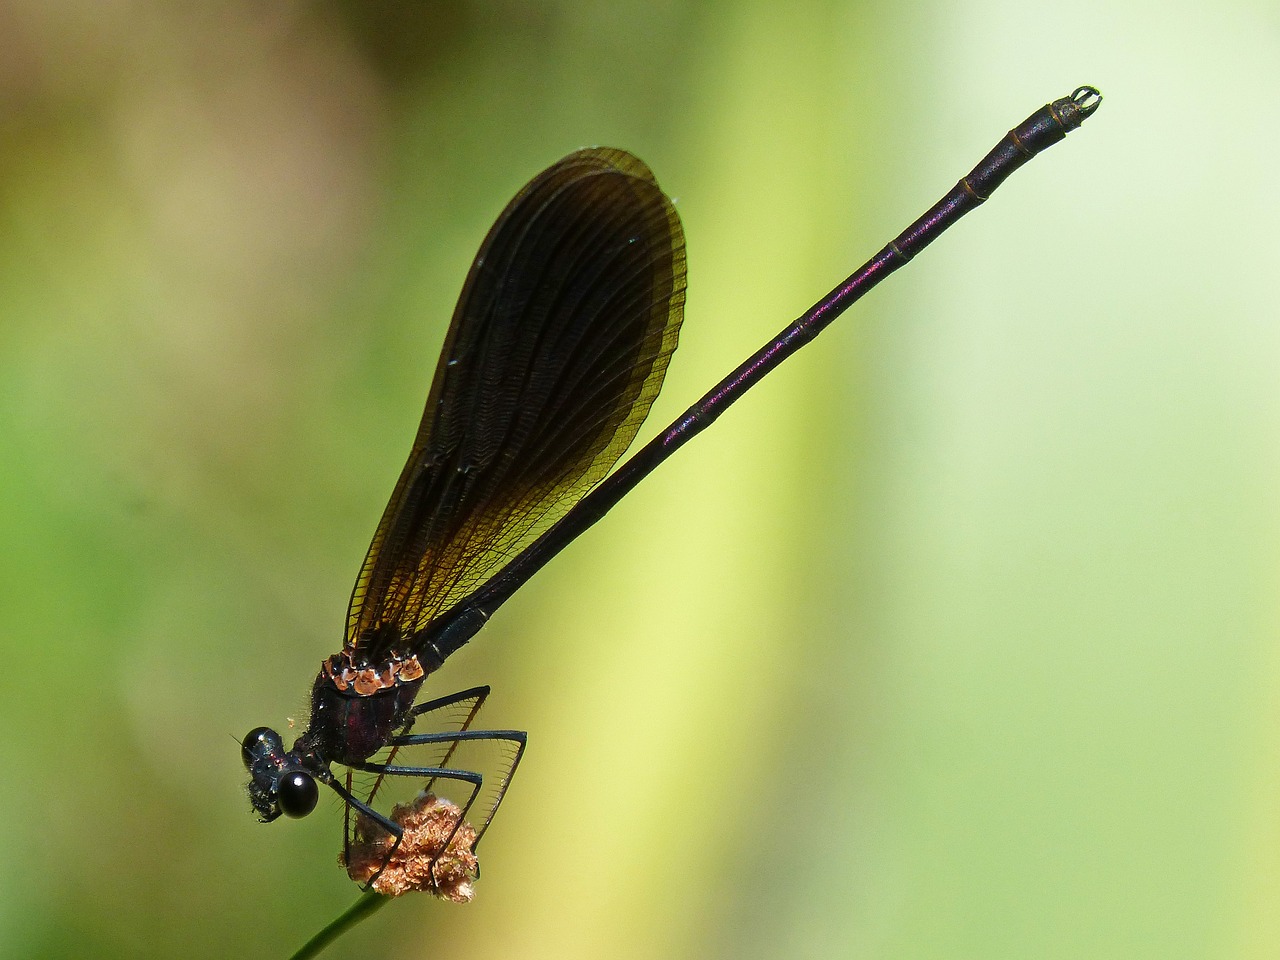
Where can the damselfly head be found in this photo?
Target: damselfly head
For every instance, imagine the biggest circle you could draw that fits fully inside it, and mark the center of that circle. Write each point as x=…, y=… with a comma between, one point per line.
x=278, y=779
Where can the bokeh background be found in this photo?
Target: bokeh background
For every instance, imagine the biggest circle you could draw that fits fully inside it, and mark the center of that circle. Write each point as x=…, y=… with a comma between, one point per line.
x=960, y=637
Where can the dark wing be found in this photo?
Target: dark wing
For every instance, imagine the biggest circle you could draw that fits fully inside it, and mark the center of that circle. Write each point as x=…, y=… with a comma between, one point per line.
x=556, y=351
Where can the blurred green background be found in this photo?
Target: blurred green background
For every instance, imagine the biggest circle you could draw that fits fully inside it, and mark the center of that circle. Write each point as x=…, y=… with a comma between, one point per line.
x=960, y=637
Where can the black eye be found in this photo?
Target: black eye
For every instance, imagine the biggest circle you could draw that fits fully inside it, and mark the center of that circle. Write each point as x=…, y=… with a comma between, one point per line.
x=259, y=741
x=298, y=794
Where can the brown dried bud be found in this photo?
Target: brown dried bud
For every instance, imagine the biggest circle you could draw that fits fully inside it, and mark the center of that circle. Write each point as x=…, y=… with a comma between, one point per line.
x=421, y=862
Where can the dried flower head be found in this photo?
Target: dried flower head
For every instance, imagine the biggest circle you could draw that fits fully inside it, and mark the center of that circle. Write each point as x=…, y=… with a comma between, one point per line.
x=421, y=862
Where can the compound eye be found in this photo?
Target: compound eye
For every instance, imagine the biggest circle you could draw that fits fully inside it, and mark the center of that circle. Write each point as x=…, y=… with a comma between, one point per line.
x=298, y=793
x=258, y=741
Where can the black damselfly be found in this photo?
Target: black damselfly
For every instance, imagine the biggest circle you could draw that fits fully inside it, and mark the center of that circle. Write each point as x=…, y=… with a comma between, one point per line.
x=557, y=349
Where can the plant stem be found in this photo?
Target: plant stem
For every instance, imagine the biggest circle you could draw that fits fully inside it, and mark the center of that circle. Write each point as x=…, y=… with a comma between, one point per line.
x=368, y=904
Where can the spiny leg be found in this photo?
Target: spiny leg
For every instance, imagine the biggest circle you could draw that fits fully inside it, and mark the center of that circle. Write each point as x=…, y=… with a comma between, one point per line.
x=459, y=721
x=431, y=773
x=454, y=713
x=517, y=738
x=393, y=828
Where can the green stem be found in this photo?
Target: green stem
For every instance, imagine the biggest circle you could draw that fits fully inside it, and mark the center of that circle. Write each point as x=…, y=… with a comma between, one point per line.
x=368, y=904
